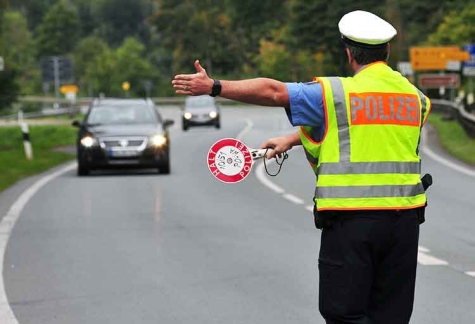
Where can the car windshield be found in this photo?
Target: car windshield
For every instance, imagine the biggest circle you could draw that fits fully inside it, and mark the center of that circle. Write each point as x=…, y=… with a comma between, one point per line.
x=121, y=114
x=199, y=102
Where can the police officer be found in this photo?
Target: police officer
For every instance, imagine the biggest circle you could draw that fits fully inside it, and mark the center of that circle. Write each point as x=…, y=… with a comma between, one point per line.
x=361, y=137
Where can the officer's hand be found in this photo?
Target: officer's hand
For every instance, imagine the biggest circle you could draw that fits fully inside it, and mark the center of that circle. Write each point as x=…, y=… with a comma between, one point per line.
x=193, y=84
x=278, y=145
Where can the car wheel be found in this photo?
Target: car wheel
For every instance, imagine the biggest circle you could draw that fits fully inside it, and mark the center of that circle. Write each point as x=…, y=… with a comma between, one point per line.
x=185, y=127
x=82, y=170
x=164, y=168
x=218, y=125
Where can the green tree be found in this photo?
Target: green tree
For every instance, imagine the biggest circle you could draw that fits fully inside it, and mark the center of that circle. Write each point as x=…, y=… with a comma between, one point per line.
x=18, y=51
x=314, y=27
x=9, y=88
x=414, y=20
x=108, y=69
x=199, y=29
x=86, y=51
x=120, y=19
x=4, y=4
x=18, y=41
x=457, y=28
x=59, y=30
x=100, y=71
x=89, y=21
x=34, y=10
x=254, y=21
x=273, y=60
x=131, y=66
x=8, y=85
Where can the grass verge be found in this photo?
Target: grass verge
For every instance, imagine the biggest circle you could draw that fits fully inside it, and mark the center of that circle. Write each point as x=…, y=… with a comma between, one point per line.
x=454, y=139
x=15, y=166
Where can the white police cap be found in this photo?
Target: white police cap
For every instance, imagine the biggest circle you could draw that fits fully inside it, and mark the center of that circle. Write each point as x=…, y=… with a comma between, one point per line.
x=364, y=29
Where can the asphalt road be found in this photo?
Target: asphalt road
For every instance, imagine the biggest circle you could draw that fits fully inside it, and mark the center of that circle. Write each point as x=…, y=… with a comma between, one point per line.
x=138, y=247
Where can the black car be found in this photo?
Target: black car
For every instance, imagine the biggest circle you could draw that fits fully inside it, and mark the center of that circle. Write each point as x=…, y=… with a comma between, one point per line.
x=201, y=111
x=123, y=132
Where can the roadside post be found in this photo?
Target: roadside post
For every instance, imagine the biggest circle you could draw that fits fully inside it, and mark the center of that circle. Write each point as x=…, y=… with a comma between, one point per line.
x=469, y=71
x=453, y=66
x=26, y=136
x=148, y=88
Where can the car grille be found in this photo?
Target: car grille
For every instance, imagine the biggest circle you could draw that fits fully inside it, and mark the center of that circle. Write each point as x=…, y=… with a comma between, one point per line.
x=123, y=142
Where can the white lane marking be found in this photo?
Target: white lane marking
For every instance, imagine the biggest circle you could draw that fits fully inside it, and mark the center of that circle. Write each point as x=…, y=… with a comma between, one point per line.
x=470, y=273
x=246, y=129
x=442, y=160
x=423, y=249
x=426, y=259
x=294, y=199
x=6, y=226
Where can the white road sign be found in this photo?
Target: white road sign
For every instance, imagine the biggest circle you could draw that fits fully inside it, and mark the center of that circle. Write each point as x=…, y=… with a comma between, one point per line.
x=405, y=68
x=454, y=65
x=468, y=70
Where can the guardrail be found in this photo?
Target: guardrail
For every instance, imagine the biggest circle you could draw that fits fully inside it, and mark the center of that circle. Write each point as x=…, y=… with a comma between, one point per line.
x=49, y=112
x=457, y=111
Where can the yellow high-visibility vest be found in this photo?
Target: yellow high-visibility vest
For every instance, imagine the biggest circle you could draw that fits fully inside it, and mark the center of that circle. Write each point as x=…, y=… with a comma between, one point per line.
x=369, y=155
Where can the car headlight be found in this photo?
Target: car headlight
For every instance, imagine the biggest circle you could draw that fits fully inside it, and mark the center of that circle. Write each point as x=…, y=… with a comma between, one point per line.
x=213, y=114
x=159, y=140
x=88, y=141
x=187, y=115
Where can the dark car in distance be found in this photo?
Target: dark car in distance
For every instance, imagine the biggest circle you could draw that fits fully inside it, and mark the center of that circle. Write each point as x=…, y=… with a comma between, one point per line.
x=201, y=111
x=123, y=133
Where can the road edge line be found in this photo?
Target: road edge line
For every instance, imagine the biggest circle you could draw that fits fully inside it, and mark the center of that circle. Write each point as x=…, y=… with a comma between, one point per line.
x=6, y=227
x=434, y=156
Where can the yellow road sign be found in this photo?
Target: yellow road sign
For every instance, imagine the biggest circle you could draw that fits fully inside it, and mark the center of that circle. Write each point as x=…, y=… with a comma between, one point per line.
x=435, y=58
x=428, y=65
x=126, y=86
x=69, y=88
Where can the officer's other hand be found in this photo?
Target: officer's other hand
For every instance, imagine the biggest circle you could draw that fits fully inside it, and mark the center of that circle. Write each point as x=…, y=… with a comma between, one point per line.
x=193, y=84
x=276, y=146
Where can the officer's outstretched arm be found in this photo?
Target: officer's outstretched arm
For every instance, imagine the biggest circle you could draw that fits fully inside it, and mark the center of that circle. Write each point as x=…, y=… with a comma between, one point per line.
x=259, y=91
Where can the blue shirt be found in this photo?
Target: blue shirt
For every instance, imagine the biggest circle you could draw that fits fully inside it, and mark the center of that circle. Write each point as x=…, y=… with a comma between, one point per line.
x=306, y=105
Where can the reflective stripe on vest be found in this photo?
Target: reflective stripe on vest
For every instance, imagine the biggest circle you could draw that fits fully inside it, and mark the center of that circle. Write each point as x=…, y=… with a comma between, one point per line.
x=370, y=168
x=369, y=191
x=341, y=118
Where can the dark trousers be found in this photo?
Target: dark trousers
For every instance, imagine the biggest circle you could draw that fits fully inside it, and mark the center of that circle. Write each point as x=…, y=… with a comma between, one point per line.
x=367, y=266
